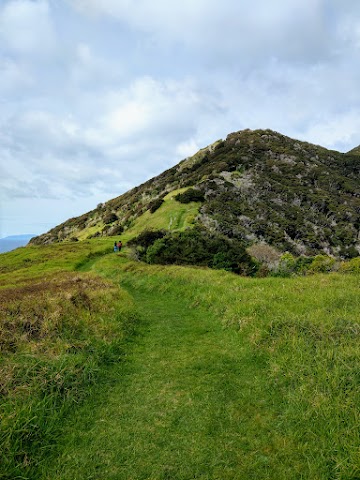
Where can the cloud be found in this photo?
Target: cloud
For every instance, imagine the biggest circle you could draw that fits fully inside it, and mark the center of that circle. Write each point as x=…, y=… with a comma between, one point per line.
x=26, y=27
x=236, y=31
x=14, y=76
x=339, y=132
x=141, y=123
x=89, y=70
x=148, y=107
x=97, y=96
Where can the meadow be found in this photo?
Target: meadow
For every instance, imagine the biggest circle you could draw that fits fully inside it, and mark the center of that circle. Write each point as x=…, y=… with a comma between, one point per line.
x=114, y=369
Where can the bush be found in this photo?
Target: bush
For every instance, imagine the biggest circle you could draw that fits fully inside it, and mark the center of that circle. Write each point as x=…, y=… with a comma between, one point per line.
x=146, y=238
x=195, y=246
x=115, y=230
x=155, y=204
x=350, y=266
x=287, y=264
x=110, y=218
x=348, y=252
x=322, y=263
x=190, y=195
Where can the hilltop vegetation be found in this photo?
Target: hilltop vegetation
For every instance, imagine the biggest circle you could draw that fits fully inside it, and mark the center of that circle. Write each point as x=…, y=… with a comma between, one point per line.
x=254, y=187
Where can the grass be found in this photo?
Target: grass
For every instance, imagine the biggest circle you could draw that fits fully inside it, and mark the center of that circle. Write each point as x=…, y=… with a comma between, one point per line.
x=169, y=412
x=33, y=262
x=230, y=378
x=59, y=331
x=172, y=215
x=226, y=377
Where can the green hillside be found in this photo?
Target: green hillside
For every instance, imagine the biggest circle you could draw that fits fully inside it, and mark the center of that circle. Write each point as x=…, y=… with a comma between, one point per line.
x=114, y=369
x=171, y=215
x=255, y=187
x=111, y=368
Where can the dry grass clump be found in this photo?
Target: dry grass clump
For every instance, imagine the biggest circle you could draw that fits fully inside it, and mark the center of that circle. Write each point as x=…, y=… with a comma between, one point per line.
x=56, y=335
x=35, y=316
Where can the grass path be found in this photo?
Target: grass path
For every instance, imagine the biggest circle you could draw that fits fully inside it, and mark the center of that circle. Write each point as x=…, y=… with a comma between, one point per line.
x=185, y=404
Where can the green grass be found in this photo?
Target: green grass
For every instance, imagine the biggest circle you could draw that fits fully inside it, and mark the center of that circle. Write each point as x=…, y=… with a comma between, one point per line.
x=224, y=378
x=172, y=215
x=33, y=262
x=59, y=330
x=230, y=378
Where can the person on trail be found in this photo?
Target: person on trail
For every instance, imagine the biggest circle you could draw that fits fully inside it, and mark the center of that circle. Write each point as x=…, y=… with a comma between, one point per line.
x=119, y=245
x=115, y=247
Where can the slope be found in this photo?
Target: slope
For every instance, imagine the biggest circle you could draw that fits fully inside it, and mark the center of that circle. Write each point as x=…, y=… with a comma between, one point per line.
x=257, y=187
x=173, y=372
x=275, y=397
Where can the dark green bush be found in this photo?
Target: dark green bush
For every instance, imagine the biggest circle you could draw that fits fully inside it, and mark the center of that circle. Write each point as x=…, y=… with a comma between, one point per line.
x=110, y=218
x=190, y=195
x=116, y=230
x=155, y=204
x=146, y=238
x=196, y=246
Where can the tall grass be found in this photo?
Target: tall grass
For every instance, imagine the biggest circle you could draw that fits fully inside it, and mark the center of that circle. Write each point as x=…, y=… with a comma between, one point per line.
x=33, y=262
x=269, y=386
x=299, y=341
x=58, y=331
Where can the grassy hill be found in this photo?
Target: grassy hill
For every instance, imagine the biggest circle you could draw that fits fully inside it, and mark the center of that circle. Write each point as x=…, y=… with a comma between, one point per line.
x=255, y=187
x=112, y=368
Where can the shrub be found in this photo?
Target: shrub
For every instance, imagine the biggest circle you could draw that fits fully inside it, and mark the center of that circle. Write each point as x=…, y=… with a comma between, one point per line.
x=287, y=264
x=348, y=252
x=302, y=264
x=115, y=230
x=322, y=263
x=196, y=246
x=265, y=254
x=190, y=195
x=146, y=238
x=350, y=266
x=110, y=218
x=155, y=204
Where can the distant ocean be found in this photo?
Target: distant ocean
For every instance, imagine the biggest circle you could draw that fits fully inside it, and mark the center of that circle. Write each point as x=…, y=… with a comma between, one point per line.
x=10, y=243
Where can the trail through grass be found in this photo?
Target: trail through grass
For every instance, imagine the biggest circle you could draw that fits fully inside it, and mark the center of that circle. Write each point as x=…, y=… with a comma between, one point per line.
x=228, y=378
x=187, y=405
x=224, y=378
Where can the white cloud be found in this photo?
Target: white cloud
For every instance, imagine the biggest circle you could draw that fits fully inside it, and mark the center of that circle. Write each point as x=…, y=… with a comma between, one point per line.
x=88, y=69
x=14, y=76
x=26, y=27
x=236, y=29
x=335, y=132
x=187, y=148
x=149, y=107
x=100, y=97
x=140, y=122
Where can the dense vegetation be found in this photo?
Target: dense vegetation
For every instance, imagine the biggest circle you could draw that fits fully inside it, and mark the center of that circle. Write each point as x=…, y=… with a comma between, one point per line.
x=193, y=246
x=255, y=187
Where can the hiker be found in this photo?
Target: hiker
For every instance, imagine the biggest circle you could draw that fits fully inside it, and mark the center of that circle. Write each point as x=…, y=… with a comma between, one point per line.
x=119, y=245
x=115, y=246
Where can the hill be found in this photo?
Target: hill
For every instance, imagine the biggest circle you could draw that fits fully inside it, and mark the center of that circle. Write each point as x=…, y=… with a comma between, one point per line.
x=254, y=187
x=14, y=241
x=112, y=368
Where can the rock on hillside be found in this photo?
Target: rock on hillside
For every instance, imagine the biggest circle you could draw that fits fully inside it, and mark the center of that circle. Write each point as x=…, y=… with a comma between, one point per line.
x=255, y=186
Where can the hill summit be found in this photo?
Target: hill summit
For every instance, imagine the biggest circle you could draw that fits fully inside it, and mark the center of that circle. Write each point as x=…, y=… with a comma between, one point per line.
x=255, y=187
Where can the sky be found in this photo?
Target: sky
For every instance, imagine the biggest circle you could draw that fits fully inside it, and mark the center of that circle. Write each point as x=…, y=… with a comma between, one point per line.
x=98, y=96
